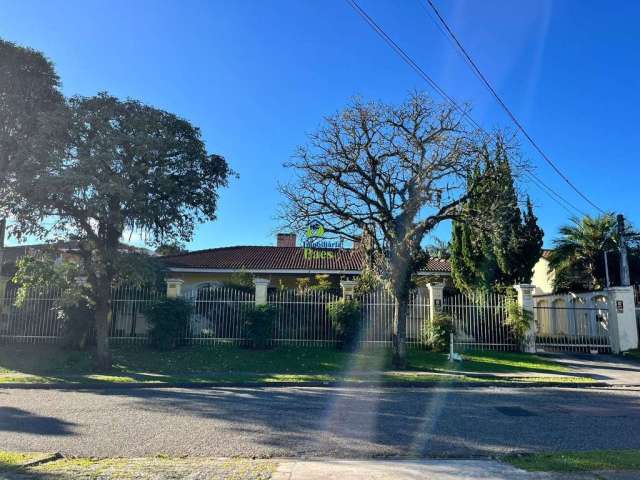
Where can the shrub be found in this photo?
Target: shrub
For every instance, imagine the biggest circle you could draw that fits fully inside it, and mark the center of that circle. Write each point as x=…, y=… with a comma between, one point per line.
x=168, y=322
x=437, y=332
x=345, y=318
x=518, y=320
x=258, y=325
x=77, y=323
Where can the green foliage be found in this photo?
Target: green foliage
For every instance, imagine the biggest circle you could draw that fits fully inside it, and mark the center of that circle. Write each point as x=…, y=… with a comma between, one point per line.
x=120, y=166
x=367, y=281
x=518, y=319
x=168, y=322
x=502, y=248
x=346, y=319
x=437, y=331
x=258, y=326
x=43, y=271
x=577, y=258
x=77, y=323
x=167, y=249
x=322, y=283
x=241, y=280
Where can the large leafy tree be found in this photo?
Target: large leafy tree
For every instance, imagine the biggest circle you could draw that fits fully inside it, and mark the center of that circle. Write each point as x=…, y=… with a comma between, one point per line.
x=577, y=258
x=124, y=166
x=384, y=176
x=502, y=250
x=30, y=101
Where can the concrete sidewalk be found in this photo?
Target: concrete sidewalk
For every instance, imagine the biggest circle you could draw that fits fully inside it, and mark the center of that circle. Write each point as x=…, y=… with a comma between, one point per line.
x=330, y=469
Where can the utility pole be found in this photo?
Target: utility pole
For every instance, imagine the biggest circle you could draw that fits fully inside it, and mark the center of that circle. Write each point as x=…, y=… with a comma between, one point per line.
x=625, y=279
x=606, y=268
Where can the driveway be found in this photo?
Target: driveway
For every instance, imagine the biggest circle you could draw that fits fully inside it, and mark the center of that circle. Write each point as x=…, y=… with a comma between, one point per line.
x=294, y=422
x=612, y=369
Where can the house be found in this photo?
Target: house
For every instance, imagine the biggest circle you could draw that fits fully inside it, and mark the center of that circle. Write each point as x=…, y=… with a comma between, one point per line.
x=282, y=264
x=543, y=276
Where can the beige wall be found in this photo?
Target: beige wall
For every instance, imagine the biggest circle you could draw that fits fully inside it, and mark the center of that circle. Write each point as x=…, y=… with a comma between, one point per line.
x=542, y=277
x=192, y=279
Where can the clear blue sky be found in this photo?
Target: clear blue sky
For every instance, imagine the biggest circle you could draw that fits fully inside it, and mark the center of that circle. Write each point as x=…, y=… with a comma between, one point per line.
x=256, y=76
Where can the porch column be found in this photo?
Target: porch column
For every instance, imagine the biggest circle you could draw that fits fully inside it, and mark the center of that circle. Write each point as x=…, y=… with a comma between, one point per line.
x=622, y=319
x=524, y=293
x=261, y=286
x=436, y=297
x=174, y=287
x=348, y=289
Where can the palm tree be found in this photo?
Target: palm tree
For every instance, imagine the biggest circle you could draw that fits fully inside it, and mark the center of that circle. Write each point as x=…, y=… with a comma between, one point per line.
x=578, y=255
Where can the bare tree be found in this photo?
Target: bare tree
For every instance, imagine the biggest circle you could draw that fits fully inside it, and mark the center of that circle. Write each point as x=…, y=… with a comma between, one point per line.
x=389, y=174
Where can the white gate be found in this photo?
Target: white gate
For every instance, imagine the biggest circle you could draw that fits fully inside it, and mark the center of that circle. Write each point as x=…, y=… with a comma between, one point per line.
x=575, y=323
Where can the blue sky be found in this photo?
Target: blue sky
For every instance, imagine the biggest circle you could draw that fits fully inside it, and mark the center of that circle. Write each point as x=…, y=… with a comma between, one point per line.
x=257, y=76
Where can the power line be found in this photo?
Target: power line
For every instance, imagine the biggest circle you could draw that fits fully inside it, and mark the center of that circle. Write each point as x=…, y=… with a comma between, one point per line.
x=507, y=110
x=409, y=61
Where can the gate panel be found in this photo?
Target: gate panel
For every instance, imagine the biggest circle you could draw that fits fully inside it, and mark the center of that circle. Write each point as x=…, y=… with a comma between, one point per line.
x=479, y=322
x=572, y=323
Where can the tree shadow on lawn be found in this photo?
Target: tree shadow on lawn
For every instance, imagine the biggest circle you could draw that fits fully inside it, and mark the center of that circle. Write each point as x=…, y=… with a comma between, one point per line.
x=405, y=422
x=23, y=421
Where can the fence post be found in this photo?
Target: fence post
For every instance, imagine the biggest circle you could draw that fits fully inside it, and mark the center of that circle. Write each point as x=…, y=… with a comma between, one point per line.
x=174, y=287
x=261, y=286
x=622, y=319
x=4, y=281
x=348, y=288
x=524, y=292
x=436, y=297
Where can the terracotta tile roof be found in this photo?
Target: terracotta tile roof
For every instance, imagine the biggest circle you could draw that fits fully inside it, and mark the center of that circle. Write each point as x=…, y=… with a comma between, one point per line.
x=278, y=258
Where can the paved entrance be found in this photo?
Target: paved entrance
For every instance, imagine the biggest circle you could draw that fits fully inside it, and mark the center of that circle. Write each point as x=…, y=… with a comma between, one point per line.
x=612, y=369
x=423, y=470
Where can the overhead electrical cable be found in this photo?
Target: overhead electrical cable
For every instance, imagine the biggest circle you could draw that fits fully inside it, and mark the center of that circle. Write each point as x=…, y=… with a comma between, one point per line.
x=507, y=110
x=409, y=61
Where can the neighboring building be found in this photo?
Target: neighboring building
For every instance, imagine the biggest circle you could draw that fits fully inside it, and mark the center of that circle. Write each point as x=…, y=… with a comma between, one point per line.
x=543, y=275
x=282, y=264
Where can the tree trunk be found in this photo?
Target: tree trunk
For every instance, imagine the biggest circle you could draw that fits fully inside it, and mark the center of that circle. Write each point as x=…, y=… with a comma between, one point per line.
x=103, y=324
x=399, y=334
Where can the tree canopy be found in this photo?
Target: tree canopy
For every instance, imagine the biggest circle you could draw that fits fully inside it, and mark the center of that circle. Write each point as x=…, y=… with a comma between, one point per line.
x=503, y=248
x=120, y=166
x=577, y=257
x=386, y=175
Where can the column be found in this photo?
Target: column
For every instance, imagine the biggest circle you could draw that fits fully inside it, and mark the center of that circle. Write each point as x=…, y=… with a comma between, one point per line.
x=174, y=287
x=261, y=286
x=348, y=289
x=524, y=292
x=622, y=319
x=436, y=297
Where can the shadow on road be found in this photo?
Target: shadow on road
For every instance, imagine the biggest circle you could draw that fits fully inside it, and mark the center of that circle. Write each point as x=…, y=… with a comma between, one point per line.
x=407, y=422
x=18, y=420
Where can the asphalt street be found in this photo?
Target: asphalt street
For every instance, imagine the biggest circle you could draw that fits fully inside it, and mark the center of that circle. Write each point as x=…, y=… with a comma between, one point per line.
x=297, y=422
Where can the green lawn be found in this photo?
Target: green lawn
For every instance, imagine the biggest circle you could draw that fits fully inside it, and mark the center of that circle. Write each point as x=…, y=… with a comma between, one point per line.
x=578, y=461
x=633, y=354
x=12, y=467
x=226, y=363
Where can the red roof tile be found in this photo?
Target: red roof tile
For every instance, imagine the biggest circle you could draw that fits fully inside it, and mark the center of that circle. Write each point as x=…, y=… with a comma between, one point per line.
x=278, y=258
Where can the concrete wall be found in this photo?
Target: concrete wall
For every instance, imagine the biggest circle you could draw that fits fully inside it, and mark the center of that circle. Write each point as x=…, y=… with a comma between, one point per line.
x=542, y=277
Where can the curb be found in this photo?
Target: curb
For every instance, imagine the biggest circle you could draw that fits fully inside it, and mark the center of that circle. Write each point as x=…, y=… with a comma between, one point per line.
x=358, y=385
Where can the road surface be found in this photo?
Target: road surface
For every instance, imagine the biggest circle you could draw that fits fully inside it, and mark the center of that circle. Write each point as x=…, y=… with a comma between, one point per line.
x=295, y=422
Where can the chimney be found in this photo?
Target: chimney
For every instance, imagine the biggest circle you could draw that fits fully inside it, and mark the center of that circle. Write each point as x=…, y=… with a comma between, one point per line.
x=286, y=240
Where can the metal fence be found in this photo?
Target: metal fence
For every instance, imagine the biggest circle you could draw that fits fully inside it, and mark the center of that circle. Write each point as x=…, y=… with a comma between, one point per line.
x=218, y=315
x=377, y=310
x=39, y=318
x=302, y=317
x=575, y=324
x=479, y=322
